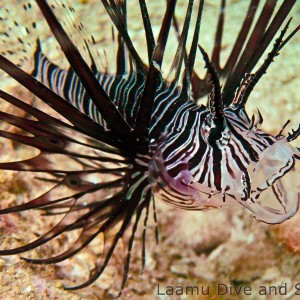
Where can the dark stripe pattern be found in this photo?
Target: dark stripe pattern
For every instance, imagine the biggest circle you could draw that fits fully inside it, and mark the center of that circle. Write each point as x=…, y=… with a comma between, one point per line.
x=223, y=170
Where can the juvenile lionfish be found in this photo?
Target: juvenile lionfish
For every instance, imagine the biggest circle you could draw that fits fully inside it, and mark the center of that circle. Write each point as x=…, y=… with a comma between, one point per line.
x=134, y=135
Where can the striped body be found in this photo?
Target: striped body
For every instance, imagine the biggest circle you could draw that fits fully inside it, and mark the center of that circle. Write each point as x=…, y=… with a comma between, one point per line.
x=182, y=167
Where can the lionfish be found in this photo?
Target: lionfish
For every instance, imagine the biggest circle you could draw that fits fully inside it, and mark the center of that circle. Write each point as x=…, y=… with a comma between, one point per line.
x=134, y=135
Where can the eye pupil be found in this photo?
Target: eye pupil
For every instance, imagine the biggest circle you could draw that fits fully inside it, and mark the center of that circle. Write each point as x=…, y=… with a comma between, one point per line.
x=214, y=135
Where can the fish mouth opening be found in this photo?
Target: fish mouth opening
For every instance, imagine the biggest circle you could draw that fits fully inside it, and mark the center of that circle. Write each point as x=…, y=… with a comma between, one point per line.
x=275, y=184
x=273, y=192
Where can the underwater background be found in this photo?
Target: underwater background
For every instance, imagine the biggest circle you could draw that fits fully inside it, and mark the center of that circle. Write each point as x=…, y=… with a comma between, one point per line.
x=225, y=246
